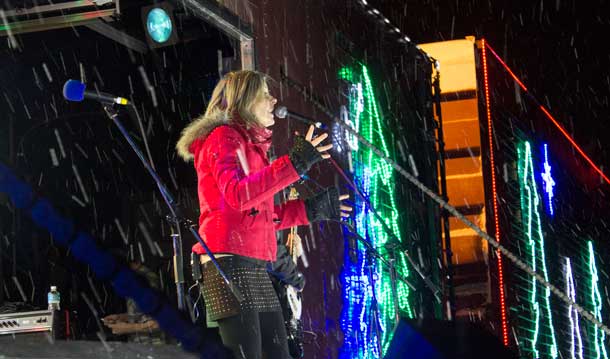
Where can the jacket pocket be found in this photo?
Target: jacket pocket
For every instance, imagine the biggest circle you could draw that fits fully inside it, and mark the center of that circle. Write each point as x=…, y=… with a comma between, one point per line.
x=249, y=218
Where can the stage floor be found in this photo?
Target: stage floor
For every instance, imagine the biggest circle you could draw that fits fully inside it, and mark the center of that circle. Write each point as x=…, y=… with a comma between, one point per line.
x=39, y=347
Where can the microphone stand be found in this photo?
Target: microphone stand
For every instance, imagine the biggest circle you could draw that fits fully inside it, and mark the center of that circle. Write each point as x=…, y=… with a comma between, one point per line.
x=176, y=219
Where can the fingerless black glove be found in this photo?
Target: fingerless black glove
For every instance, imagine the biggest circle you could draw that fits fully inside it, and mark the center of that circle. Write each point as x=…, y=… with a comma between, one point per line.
x=324, y=205
x=303, y=155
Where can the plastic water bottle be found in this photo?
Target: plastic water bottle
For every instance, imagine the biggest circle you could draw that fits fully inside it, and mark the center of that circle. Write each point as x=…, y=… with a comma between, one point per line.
x=53, y=298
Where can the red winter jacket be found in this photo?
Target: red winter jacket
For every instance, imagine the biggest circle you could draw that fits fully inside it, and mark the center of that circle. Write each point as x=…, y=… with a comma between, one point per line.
x=236, y=185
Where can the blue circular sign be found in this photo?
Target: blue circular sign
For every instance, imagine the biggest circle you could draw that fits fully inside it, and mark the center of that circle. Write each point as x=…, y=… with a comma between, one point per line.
x=159, y=25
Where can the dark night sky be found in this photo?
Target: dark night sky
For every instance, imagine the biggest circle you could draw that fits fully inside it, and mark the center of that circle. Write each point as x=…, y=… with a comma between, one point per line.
x=557, y=47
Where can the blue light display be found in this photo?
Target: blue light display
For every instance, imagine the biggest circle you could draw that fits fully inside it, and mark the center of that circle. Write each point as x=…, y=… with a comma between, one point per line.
x=370, y=308
x=548, y=180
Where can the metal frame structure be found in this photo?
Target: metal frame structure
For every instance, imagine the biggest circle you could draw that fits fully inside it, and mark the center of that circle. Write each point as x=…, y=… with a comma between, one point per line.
x=116, y=35
x=229, y=23
x=55, y=16
x=446, y=245
x=90, y=12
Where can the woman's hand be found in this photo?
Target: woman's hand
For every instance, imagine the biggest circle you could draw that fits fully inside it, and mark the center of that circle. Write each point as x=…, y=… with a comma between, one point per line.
x=114, y=318
x=308, y=151
x=345, y=209
x=327, y=205
x=316, y=142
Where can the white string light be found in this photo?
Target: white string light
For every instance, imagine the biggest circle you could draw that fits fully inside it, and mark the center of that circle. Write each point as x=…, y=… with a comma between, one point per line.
x=383, y=20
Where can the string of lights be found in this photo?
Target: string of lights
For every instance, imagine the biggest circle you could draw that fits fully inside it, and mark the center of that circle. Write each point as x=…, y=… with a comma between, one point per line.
x=539, y=303
x=377, y=181
x=548, y=180
x=599, y=337
x=503, y=316
x=564, y=239
x=576, y=347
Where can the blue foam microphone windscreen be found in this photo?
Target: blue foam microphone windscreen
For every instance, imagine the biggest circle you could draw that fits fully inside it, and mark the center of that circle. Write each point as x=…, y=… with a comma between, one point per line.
x=74, y=90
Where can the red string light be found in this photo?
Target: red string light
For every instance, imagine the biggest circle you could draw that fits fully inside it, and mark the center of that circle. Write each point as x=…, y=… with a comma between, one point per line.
x=495, y=201
x=578, y=149
x=506, y=67
x=547, y=113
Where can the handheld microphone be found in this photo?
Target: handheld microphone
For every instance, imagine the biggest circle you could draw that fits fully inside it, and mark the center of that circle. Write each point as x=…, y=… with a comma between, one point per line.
x=283, y=112
x=75, y=91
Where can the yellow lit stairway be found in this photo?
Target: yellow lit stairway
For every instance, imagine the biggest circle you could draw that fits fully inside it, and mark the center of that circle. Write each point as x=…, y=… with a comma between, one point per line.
x=464, y=175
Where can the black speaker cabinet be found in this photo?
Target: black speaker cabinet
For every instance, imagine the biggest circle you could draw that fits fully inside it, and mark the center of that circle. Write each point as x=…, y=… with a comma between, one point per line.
x=435, y=339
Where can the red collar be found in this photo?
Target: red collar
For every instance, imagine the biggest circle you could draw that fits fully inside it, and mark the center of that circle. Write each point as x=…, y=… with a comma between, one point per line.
x=260, y=136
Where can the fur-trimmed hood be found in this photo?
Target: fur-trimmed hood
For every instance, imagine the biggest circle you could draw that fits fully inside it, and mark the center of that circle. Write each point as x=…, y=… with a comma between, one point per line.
x=202, y=126
x=199, y=128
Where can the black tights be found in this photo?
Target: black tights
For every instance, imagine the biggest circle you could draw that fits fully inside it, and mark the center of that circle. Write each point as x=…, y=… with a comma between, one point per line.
x=249, y=334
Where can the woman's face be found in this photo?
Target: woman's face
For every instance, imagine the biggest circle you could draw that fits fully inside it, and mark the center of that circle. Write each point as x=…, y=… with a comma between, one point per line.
x=262, y=108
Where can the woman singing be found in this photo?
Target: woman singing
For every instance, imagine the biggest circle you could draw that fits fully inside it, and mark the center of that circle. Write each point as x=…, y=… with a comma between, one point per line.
x=238, y=218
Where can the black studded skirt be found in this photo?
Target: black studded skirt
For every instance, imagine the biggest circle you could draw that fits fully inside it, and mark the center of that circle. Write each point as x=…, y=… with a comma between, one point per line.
x=249, y=276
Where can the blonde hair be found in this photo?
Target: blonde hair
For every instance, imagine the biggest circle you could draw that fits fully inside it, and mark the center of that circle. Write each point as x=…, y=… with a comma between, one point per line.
x=231, y=100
